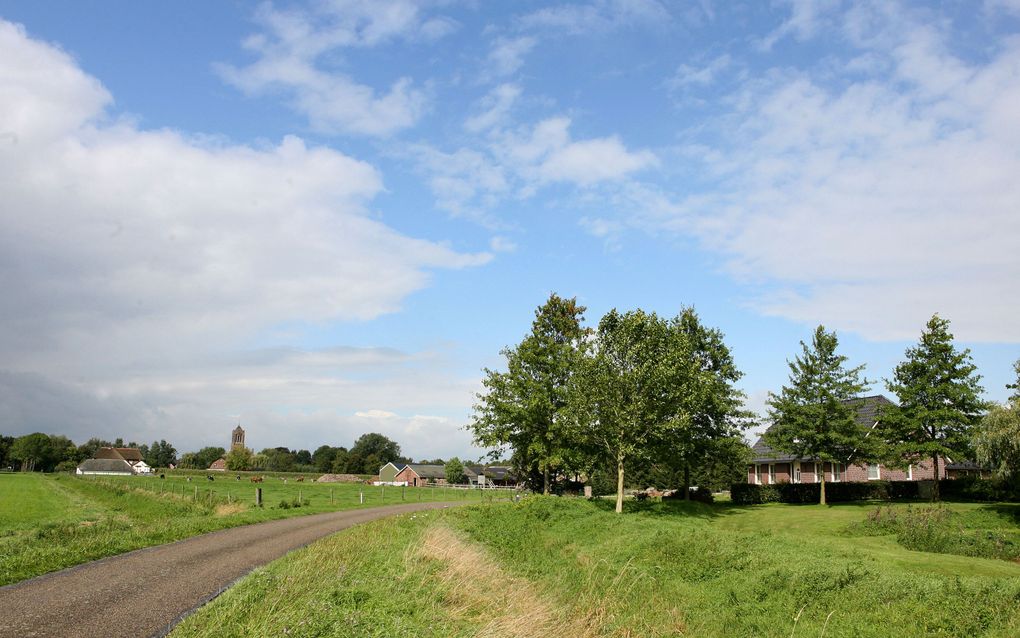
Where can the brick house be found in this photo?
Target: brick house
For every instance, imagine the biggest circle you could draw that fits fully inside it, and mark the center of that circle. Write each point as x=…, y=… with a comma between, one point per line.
x=417, y=475
x=770, y=466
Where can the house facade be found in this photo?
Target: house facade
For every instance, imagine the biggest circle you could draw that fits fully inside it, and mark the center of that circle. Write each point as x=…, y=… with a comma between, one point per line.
x=769, y=466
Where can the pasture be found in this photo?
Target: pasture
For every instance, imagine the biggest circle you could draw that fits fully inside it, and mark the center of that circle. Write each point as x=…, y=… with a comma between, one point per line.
x=49, y=522
x=551, y=566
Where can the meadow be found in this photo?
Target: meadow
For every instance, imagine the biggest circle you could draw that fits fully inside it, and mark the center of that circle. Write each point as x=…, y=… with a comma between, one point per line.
x=550, y=566
x=49, y=522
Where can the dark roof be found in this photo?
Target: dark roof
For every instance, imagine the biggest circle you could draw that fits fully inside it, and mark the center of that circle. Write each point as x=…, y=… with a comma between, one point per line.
x=130, y=454
x=429, y=471
x=106, y=465
x=498, y=472
x=867, y=415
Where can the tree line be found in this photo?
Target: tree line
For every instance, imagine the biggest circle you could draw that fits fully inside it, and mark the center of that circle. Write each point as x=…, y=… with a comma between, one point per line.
x=655, y=398
x=637, y=391
x=55, y=452
x=48, y=453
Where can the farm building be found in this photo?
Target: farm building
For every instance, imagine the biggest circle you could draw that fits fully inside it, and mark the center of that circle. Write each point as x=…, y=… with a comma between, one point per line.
x=219, y=465
x=118, y=467
x=388, y=474
x=128, y=455
x=769, y=466
x=418, y=475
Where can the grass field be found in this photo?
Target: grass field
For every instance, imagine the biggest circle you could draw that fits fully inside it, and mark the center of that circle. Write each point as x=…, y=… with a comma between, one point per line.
x=49, y=522
x=552, y=566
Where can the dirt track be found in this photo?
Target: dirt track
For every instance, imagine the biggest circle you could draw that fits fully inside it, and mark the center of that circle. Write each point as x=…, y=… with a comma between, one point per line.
x=146, y=592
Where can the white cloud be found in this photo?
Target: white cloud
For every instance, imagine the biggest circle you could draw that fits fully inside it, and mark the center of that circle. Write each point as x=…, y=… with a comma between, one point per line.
x=598, y=16
x=870, y=204
x=496, y=107
x=127, y=255
x=806, y=18
x=687, y=75
x=289, y=61
x=507, y=54
x=500, y=244
x=547, y=153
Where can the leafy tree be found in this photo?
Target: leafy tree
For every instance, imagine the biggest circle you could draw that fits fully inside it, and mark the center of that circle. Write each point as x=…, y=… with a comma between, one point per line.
x=997, y=440
x=202, y=459
x=240, y=459
x=340, y=461
x=455, y=471
x=940, y=403
x=524, y=407
x=278, y=459
x=62, y=451
x=815, y=416
x=324, y=456
x=32, y=450
x=161, y=454
x=1015, y=386
x=370, y=452
x=303, y=457
x=627, y=397
x=88, y=449
x=5, y=448
x=713, y=405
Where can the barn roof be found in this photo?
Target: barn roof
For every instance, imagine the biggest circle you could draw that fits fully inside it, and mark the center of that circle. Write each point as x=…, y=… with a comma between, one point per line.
x=106, y=465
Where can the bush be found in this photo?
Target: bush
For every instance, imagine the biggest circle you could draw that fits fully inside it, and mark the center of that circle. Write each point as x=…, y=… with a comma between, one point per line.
x=972, y=488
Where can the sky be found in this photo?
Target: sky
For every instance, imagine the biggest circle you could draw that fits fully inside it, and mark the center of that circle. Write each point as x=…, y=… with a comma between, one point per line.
x=327, y=218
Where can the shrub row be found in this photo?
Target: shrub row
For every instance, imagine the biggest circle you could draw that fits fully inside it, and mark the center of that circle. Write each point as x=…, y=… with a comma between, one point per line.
x=963, y=489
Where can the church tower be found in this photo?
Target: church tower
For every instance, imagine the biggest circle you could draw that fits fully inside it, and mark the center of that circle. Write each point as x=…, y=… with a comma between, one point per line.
x=237, y=437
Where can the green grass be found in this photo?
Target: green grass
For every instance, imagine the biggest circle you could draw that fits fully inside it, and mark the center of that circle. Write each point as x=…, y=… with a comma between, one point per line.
x=662, y=569
x=49, y=522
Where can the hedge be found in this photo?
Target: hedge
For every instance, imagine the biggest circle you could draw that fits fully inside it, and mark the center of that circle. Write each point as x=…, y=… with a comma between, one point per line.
x=965, y=489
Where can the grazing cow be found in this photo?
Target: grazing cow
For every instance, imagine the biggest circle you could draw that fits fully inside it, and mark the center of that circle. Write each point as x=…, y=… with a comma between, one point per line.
x=300, y=479
x=210, y=478
x=161, y=477
x=238, y=477
x=256, y=479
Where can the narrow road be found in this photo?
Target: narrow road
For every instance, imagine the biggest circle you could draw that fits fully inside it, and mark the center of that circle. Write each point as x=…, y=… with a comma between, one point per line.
x=146, y=592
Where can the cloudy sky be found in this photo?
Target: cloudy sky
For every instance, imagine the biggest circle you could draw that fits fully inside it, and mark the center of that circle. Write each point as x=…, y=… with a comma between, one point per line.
x=321, y=219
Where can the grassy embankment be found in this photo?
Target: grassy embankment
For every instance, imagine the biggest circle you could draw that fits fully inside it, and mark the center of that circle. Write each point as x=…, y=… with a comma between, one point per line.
x=570, y=567
x=49, y=522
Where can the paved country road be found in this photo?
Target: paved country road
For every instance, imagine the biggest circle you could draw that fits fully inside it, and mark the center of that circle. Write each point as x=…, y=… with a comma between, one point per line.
x=146, y=592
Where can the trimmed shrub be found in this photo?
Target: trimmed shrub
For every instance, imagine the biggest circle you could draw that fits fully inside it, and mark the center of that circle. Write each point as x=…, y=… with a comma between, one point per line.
x=968, y=488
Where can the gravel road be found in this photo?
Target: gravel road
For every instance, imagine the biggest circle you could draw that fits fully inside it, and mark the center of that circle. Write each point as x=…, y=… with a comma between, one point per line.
x=146, y=592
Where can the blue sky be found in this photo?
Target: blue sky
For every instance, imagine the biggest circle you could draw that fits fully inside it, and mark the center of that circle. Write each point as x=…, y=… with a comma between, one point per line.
x=326, y=218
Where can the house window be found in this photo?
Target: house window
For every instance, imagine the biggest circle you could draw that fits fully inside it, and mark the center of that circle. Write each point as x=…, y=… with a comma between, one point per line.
x=837, y=472
x=757, y=474
x=772, y=474
x=873, y=473
x=796, y=473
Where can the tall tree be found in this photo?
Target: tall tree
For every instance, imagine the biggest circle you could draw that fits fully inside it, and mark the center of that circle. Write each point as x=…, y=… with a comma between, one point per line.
x=627, y=398
x=240, y=459
x=714, y=404
x=939, y=400
x=324, y=456
x=524, y=407
x=454, y=471
x=370, y=452
x=161, y=454
x=33, y=450
x=1015, y=386
x=997, y=440
x=815, y=416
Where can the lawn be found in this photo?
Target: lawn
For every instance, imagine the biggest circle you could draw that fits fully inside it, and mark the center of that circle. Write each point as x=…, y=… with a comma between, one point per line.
x=49, y=522
x=551, y=566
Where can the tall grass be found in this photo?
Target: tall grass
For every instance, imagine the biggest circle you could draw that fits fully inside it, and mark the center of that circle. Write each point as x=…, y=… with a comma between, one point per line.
x=560, y=567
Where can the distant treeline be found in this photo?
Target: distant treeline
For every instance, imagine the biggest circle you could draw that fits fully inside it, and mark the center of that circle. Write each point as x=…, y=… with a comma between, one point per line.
x=55, y=452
